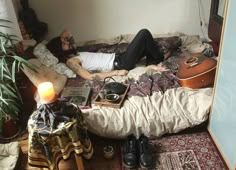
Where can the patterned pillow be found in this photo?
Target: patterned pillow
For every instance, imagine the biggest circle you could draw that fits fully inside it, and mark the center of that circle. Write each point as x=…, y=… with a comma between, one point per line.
x=44, y=55
x=49, y=60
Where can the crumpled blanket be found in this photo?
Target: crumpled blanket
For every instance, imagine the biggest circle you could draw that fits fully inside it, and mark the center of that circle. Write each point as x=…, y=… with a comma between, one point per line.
x=166, y=110
x=148, y=84
x=9, y=155
x=155, y=115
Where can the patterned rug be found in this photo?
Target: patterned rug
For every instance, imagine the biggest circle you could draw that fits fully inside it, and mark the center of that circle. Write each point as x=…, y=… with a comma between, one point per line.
x=186, y=152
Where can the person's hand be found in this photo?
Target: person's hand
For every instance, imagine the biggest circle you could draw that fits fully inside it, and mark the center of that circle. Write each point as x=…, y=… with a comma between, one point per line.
x=158, y=67
x=121, y=72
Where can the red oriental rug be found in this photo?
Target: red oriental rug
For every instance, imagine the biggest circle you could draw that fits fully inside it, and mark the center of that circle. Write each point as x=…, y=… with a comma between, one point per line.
x=186, y=152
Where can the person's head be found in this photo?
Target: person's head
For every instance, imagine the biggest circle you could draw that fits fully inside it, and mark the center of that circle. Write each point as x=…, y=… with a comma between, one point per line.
x=67, y=38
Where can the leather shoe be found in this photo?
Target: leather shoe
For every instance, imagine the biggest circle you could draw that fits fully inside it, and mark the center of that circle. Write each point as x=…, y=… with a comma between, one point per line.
x=130, y=152
x=145, y=155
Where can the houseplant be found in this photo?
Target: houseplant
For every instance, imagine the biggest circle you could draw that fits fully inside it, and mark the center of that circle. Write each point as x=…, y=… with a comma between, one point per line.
x=10, y=64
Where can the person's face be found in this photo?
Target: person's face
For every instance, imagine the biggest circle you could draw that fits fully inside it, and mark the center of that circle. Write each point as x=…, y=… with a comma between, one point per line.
x=67, y=38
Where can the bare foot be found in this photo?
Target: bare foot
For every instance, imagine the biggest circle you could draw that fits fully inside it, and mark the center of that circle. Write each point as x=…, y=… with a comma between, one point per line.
x=158, y=67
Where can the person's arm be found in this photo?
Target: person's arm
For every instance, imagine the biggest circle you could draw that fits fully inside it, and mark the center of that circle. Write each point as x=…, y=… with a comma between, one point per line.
x=75, y=65
x=158, y=67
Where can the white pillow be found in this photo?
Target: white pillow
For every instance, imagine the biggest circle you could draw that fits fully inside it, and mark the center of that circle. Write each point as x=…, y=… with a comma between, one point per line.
x=61, y=68
x=49, y=60
x=44, y=55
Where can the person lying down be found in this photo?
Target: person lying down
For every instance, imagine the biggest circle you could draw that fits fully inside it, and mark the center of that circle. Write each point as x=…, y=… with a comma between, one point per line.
x=108, y=64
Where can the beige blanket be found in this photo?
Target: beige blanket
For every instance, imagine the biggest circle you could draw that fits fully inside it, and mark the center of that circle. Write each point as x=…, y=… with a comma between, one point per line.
x=175, y=110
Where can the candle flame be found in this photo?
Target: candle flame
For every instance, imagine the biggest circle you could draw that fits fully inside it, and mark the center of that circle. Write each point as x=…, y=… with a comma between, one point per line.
x=46, y=92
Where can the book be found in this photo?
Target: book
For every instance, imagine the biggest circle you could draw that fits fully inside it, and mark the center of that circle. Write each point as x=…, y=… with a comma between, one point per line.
x=77, y=95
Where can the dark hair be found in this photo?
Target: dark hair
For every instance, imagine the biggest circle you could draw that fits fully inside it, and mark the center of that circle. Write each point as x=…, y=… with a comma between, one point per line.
x=55, y=47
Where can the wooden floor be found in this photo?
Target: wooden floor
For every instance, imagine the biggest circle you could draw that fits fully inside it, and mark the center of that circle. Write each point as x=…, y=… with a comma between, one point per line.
x=98, y=162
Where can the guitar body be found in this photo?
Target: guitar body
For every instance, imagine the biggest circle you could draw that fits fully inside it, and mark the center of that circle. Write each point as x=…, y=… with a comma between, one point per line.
x=197, y=71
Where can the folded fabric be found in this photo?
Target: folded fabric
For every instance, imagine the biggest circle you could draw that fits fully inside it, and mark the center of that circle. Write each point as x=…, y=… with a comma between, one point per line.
x=9, y=154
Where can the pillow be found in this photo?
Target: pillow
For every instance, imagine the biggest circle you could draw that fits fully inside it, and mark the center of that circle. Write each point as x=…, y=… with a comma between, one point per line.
x=49, y=60
x=44, y=55
x=61, y=68
x=45, y=74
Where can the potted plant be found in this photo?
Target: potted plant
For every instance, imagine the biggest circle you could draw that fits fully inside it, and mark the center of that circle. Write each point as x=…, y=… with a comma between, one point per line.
x=10, y=64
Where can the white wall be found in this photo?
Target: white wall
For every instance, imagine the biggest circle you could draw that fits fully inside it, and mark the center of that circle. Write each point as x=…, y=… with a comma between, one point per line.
x=92, y=19
x=7, y=12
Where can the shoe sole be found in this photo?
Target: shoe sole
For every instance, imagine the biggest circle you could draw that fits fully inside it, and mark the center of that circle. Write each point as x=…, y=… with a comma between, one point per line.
x=144, y=166
x=130, y=167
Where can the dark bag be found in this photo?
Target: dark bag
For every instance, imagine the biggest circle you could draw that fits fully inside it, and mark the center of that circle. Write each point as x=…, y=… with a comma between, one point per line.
x=114, y=87
x=33, y=26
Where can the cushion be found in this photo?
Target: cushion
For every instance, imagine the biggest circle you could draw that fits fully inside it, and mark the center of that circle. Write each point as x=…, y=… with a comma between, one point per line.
x=44, y=55
x=45, y=74
x=9, y=154
x=49, y=60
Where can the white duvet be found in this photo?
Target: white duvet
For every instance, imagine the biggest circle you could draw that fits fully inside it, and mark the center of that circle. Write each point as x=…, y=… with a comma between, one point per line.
x=175, y=110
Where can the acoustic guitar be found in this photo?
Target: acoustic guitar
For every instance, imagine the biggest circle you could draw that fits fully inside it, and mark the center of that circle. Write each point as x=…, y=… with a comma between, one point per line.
x=197, y=71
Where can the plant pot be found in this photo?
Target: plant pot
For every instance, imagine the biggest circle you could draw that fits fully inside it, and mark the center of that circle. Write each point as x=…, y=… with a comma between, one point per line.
x=10, y=129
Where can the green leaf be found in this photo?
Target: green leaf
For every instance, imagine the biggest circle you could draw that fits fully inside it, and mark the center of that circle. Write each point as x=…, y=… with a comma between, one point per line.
x=2, y=46
x=26, y=63
x=10, y=63
x=1, y=69
x=5, y=67
x=13, y=73
x=9, y=91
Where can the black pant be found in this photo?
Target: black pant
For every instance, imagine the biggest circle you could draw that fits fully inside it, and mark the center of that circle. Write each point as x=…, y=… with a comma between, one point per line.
x=142, y=45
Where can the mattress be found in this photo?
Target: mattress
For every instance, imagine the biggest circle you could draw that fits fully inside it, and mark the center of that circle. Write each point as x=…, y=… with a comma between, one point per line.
x=164, y=107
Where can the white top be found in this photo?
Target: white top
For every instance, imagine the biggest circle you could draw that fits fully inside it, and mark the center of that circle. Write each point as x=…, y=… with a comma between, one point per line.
x=96, y=61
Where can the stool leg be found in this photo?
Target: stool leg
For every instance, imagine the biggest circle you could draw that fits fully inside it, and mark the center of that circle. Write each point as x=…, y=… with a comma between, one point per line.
x=79, y=162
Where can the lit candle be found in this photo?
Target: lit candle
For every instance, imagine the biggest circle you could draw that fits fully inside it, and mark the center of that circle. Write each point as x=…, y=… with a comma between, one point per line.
x=46, y=92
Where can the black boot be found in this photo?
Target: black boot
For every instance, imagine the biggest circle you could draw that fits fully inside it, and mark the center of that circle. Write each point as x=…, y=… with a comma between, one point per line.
x=145, y=159
x=130, y=152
